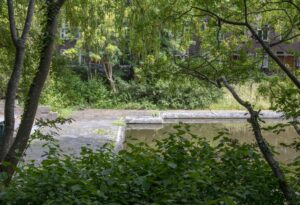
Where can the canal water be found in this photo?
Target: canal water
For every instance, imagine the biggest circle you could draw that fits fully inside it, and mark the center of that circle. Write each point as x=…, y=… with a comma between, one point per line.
x=238, y=129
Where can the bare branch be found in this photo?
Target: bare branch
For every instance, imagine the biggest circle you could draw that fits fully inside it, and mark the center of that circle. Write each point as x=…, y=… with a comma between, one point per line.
x=284, y=40
x=293, y=78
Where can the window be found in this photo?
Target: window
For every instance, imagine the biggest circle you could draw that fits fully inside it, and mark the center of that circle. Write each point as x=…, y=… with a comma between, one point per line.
x=259, y=33
x=265, y=63
x=263, y=33
x=63, y=32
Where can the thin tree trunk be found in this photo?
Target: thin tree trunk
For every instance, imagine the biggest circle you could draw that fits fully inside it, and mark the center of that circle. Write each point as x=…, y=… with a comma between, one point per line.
x=9, y=116
x=13, y=83
x=36, y=87
x=263, y=146
x=109, y=75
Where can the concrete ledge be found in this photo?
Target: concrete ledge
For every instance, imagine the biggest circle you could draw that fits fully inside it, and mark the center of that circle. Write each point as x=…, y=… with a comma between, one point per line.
x=144, y=126
x=219, y=114
x=143, y=120
x=43, y=109
x=195, y=115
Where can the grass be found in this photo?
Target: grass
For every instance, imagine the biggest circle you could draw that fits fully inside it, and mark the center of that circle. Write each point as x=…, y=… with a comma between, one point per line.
x=247, y=92
x=65, y=112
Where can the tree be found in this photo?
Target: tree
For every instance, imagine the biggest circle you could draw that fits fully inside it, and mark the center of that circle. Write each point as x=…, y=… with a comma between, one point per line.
x=220, y=26
x=20, y=143
x=19, y=43
x=101, y=30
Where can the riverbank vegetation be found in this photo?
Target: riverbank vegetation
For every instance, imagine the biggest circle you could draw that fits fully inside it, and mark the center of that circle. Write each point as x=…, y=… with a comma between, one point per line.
x=181, y=169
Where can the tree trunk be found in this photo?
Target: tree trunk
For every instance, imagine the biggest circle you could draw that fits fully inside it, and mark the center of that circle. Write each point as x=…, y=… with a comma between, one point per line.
x=36, y=87
x=13, y=83
x=9, y=116
x=263, y=146
x=109, y=75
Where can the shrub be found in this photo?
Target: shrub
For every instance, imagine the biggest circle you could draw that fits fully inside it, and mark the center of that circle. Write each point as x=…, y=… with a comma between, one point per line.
x=165, y=94
x=68, y=87
x=181, y=169
x=65, y=88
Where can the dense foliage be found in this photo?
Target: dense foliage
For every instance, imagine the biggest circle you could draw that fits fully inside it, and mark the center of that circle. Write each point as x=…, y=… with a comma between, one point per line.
x=181, y=169
x=71, y=87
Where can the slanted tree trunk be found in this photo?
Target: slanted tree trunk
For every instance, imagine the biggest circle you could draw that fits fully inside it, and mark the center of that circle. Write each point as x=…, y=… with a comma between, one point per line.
x=12, y=87
x=263, y=146
x=268, y=50
x=31, y=105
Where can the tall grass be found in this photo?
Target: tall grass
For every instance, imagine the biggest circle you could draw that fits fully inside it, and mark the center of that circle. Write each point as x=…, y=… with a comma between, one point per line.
x=248, y=92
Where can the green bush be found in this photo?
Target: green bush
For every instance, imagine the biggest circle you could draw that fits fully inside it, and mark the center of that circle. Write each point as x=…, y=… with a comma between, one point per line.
x=167, y=94
x=68, y=87
x=181, y=169
x=65, y=88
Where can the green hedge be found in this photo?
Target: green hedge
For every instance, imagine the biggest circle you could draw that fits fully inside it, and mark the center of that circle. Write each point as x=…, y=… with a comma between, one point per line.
x=181, y=169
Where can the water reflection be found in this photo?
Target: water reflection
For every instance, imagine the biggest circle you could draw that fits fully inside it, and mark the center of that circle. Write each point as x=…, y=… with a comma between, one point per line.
x=238, y=129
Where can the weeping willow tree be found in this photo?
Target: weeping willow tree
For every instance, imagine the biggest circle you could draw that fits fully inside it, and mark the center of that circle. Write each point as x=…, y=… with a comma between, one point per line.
x=101, y=27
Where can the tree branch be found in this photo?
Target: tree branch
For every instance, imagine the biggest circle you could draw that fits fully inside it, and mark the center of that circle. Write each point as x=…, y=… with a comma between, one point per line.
x=284, y=40
x=12, y=22
x=293, y=4
x=293, y=78
x=28, y=20
x=263, y=146
x=237, y=23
